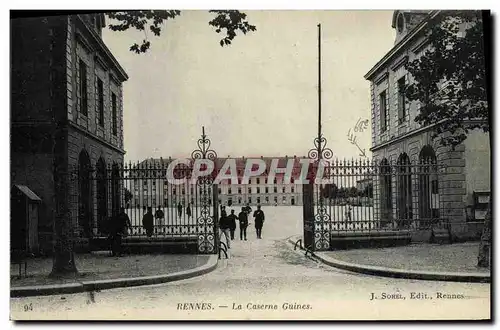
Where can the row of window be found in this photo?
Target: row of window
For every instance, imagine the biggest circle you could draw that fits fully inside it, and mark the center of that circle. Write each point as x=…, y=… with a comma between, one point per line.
x=384, y=111
x=257, y=190
x=229, y=201
x=84, y=103
x=258, y=181
x=284, y=199
x=174, y=191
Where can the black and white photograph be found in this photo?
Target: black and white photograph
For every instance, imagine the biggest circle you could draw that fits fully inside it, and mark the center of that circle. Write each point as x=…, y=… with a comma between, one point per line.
x=251, y=164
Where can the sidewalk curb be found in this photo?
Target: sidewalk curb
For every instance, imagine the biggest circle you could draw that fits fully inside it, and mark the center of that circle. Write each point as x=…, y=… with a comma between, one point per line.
x=85, y=286
x=399, y=273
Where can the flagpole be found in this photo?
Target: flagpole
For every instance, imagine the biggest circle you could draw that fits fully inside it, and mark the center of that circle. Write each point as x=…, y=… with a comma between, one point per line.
x=319, y=92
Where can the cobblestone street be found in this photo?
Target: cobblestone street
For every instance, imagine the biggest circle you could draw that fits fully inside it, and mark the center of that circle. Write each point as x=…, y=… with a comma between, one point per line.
x=267, y=274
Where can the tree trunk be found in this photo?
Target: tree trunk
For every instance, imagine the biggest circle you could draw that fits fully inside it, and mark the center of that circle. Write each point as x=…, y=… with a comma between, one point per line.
x=483, y=259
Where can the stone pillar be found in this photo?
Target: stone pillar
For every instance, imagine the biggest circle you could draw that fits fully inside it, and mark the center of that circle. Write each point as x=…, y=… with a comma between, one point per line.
x=452, y=189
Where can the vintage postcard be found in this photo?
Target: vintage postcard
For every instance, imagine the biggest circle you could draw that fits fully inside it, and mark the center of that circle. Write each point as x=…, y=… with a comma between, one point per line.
x=250, y=165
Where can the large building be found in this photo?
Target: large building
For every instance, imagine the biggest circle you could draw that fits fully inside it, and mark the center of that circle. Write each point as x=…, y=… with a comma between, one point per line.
x=397, y=140
x=66, y=118
x=156, y=191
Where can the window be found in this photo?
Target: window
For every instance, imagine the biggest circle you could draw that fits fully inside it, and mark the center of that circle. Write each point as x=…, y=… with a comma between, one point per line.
x=401, y=100
x=258, y=200
x=383, y=111
x=249, y=190
x=275, y=181
x=83, y=88
x=267, y=199
x=249, y=200
x=113, y=109
x=275, y=189
x=229, y=191
x=239, y=190
x=283, y=189
x=100, y=102
x=293, y=190
x=258, y=180
x=267, y=190
x=400, y=23
x=220, y=190
x=435, y=187
x=258, y=190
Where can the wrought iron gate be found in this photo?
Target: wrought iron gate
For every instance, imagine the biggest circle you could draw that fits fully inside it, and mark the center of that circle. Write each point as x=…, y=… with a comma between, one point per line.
x=373, y=199
x=181, y=213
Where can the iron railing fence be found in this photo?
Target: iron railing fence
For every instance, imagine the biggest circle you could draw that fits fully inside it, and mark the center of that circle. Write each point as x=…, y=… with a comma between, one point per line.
x=179, y=210
x=368, y=196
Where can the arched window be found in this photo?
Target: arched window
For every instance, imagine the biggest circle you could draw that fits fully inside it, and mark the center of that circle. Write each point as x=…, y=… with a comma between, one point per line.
x=102, y=198
x=84, y=193
x=385, y=193
x=115, y=189
x=404, y=198
x=428, y=197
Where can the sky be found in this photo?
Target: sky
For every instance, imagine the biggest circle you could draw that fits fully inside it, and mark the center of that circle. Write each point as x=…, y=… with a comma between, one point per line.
x=257, y=97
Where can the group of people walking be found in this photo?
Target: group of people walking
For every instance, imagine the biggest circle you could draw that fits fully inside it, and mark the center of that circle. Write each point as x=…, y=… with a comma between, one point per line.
x=227, y=223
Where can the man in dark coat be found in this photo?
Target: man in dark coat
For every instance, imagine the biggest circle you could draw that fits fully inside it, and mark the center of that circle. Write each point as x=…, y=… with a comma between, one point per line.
x=147, y=222
x=243, y=218
x=259, y=221
x=179, y=210
x=159, y=216
x=248, y=209
x=121, y=224
x=224, y=226
x=232, y=222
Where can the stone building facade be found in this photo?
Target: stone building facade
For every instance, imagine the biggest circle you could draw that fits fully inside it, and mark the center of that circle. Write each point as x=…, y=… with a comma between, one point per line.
x=259, y=190
x=397, y=139
x=156, y=192
x=66, y=116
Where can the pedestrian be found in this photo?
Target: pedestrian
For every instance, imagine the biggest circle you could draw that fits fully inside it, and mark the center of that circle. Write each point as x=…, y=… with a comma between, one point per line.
x=160, y=217
x=179, y=210
x=348, y=212
x=147, y=222
x=243, y=218
x=224, y=226
x=121, y=224
x=232, y=222
x=259, y=221
x=248, y=209
x=188, y=210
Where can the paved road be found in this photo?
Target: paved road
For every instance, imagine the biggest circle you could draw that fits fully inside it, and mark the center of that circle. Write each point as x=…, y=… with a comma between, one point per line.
x=268, y=281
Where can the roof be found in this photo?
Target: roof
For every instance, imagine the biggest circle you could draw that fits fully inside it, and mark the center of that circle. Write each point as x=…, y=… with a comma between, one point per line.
x=106, y=52
x=28, y=193
x=400, y=46
x=396, y=13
